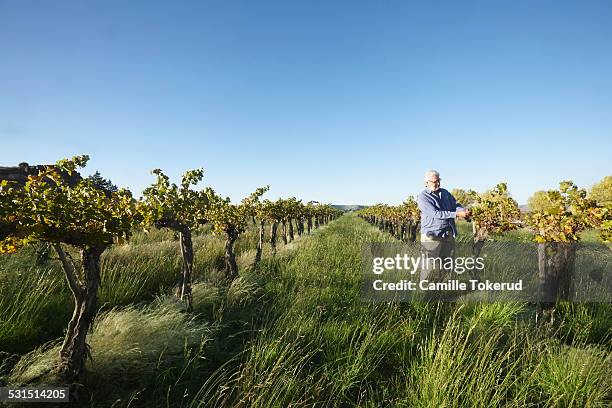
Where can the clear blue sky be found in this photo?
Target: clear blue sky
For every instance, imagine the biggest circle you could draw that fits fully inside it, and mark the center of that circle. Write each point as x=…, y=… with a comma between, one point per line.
x=344, y=102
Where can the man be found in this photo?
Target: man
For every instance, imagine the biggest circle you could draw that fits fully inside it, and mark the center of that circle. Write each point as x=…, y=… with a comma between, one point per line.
x=439, y=209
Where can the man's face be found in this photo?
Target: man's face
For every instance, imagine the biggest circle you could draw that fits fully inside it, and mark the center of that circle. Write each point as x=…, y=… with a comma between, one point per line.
x=433, y=183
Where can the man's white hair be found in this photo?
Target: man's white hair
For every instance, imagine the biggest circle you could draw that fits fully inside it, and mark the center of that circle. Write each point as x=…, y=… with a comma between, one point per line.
x=431, y=173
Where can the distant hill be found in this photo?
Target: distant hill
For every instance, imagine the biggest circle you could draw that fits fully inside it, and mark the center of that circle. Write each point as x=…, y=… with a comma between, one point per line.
x=350, y=207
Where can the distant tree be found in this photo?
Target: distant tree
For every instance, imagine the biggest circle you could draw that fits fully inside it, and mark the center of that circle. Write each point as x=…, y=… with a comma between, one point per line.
x=540, y=201
x=602, y=191
x=463, y=197
x=103, y=184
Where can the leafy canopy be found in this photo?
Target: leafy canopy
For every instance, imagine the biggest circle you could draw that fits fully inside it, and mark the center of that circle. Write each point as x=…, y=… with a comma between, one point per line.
x=540, y=201
x=48, y=209
x=164, y=201
x=494, y=211
x=228, y=218
x=464, y=197
x=602, y=191
x=570, y=212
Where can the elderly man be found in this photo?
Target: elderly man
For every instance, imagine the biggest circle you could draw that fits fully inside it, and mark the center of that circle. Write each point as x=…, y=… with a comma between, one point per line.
x=438, y=230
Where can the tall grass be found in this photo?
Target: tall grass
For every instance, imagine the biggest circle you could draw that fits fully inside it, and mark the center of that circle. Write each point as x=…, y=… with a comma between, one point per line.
x=321, y=345
x=575, y=377
x=296, y=332
x=157, y=348
x=35, y=303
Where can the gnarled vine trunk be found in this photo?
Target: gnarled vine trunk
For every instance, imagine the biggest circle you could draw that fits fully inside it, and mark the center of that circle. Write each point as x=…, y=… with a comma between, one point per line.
x=309, y=225
x=183, y=284
x=284, y=231
x=273, y=234
x=74, y=350
x=556, y=272
x=414, y=227
x=231, y=268
x=259, y=243
x=480, y=237
x=290, y=230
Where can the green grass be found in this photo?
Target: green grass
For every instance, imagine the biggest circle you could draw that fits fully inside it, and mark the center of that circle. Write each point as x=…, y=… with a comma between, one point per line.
x=295, y=332
x=321, y=345
x=134, y=349
x=35, y=303
x=571, y=376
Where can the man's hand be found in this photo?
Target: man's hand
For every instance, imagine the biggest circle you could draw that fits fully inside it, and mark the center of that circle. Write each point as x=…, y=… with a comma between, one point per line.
x=463, y=213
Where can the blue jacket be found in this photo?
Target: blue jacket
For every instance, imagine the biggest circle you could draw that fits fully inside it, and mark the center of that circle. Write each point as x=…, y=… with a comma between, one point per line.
x=438, y=213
